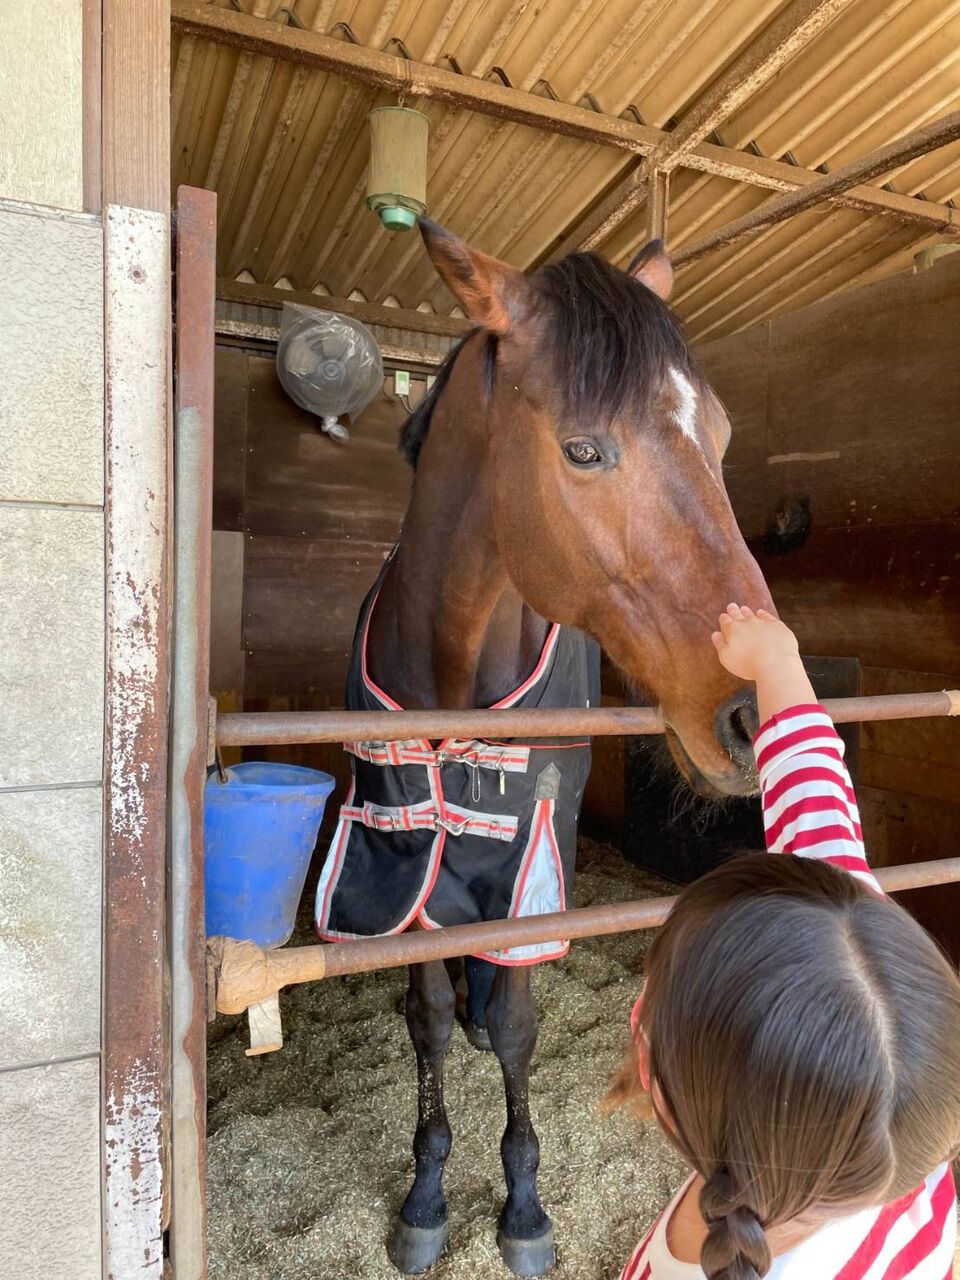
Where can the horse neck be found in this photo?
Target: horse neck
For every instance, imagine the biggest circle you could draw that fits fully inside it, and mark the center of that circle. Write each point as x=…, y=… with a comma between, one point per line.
x=449, y=629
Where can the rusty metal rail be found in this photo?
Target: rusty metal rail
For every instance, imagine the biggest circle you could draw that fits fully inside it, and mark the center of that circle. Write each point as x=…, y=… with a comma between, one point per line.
x=263, y=728
x=241, y=974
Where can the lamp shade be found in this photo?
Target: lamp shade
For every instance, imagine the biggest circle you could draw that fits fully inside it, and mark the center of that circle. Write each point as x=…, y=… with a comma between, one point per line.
x=397, y=177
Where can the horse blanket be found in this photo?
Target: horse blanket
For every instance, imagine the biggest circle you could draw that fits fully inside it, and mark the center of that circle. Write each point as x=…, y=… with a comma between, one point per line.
x=460, y=831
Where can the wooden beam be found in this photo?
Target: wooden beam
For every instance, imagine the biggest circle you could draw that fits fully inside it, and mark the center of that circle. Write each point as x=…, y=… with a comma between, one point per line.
x=136, y=104
x=394, y=355
x=260, y=295
x=917, y=142
x=418, y=79
x=657, y=200
x=799, y=23
x=403, y=76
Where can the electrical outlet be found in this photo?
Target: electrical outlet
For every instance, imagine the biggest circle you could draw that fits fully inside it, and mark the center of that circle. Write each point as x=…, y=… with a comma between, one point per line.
x=401, y=382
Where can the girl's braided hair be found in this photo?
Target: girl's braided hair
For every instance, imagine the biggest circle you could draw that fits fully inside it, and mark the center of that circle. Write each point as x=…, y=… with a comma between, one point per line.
x=736, y=1247
x=804, y=1038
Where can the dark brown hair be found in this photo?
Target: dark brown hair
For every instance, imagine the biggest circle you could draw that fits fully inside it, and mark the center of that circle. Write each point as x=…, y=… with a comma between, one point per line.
x=608, y=338
x=804, y=1035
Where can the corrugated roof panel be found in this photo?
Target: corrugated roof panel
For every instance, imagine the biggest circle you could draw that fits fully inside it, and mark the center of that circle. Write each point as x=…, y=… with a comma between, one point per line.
x=285, y=146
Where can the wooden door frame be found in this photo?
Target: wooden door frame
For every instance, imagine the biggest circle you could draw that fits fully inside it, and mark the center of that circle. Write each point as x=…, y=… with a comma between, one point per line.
x=196, y=239
x=126, y=137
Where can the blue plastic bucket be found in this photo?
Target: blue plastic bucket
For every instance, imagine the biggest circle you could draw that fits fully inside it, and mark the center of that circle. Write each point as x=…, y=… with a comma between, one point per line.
x=260, y=828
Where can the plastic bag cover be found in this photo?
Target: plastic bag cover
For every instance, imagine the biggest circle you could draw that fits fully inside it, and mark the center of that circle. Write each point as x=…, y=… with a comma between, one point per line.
x=328, y=364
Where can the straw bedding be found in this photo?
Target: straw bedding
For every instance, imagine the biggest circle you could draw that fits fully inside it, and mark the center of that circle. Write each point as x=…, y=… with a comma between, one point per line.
x=309, y=1152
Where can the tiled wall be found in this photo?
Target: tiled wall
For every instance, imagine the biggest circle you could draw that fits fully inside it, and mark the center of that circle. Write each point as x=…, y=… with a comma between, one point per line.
x=51, y=658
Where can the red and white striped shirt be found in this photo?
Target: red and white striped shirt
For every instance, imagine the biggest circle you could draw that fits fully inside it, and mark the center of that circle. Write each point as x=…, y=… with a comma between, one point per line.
x=809, y=809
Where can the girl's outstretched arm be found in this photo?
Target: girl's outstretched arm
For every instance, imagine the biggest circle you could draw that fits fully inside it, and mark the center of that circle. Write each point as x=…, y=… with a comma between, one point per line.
x=809, y=806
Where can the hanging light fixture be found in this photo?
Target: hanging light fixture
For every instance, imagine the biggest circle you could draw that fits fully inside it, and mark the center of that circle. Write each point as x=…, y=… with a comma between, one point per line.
x=397, y=176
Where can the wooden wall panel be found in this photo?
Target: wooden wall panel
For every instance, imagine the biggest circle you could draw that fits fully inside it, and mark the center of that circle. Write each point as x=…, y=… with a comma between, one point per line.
x=912, y=757
x=853, y=404
x=604, y=799
x=300, y=483
x=230, y=394
x=737, y=368
x=302, y=528
x=864, y=400
x=858, y=527
x=302, y=594
x=136, y=104
x=226, y=616
x=316, y=519
x=888, y=596
x=902, y=829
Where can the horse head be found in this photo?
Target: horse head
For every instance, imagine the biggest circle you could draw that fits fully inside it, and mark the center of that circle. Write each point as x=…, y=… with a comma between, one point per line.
x=604, y=457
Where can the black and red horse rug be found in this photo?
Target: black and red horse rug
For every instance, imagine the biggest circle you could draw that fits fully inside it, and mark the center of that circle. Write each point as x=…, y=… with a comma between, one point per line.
x=460, y=831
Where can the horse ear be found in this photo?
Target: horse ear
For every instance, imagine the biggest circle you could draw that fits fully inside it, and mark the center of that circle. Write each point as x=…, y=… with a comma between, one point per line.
x=490, y=292
x=652, y=267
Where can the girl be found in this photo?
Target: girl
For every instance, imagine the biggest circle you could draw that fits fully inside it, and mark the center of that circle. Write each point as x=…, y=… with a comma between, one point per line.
x=799, y=1034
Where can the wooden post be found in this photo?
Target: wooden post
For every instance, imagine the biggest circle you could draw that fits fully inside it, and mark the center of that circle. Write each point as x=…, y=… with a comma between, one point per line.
x=189, y=739
x=136, y=325
x=132, y=181
x=658, y=197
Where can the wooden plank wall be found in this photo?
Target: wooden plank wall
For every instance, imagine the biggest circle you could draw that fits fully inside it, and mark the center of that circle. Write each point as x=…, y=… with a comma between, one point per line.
x=307, y=523
x=844, y=471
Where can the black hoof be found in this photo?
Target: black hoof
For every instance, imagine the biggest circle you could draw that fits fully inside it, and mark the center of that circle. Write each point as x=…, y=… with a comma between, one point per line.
x=415, y=1249
x=528, y=1257
x=479, y=1037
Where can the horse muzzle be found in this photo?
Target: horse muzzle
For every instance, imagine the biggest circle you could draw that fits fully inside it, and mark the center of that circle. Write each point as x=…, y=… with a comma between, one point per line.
x=729, y=768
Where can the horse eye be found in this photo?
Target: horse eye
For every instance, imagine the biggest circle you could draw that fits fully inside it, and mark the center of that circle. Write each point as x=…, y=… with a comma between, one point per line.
x=582, y=453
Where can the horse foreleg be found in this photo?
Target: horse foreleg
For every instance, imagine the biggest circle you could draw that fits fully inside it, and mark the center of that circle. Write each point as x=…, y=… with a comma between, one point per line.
x=478, y=983
x=420, y=1232
x=525, y=1236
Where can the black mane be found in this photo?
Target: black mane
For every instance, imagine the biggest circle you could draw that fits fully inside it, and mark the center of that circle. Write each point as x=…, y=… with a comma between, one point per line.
x=608, y=338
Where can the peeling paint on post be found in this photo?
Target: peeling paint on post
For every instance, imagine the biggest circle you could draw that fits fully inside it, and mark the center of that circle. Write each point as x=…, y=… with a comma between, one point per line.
x=136, y=333
x=196, y=284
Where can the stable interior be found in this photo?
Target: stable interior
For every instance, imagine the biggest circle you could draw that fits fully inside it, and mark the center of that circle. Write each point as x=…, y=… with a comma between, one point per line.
x=830, y=338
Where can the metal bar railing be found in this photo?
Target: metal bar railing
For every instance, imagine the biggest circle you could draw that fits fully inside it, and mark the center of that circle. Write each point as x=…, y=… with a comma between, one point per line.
x=265, y=728
x=241, y=974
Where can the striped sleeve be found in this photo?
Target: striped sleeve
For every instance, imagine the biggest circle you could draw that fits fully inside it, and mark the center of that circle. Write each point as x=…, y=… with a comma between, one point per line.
x=912, y=1239
x=639, y=1268
x=809, y=807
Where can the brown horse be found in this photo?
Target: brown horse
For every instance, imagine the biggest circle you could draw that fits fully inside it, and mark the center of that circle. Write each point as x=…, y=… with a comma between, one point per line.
x=568, y=471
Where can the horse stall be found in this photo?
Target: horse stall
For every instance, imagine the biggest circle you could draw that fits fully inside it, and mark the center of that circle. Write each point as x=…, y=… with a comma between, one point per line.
x=828, y=402
x=186, y=552
x=819, y=303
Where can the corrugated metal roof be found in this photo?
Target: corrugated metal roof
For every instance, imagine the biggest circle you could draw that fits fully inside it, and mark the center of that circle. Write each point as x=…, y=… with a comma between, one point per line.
x=286, y=146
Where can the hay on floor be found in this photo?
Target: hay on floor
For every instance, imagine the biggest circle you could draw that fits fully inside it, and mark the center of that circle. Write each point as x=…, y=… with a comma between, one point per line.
x=309, y=1153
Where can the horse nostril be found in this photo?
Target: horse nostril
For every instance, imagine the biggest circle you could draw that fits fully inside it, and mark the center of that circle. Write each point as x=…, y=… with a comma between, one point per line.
x=745, y=721
x=737, y=723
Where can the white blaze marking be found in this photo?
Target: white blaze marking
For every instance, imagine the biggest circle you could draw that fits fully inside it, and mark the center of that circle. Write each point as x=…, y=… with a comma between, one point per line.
x=685, y=413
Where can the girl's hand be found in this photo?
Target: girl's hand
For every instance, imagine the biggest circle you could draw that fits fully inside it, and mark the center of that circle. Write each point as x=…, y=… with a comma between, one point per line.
x=754, y=645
